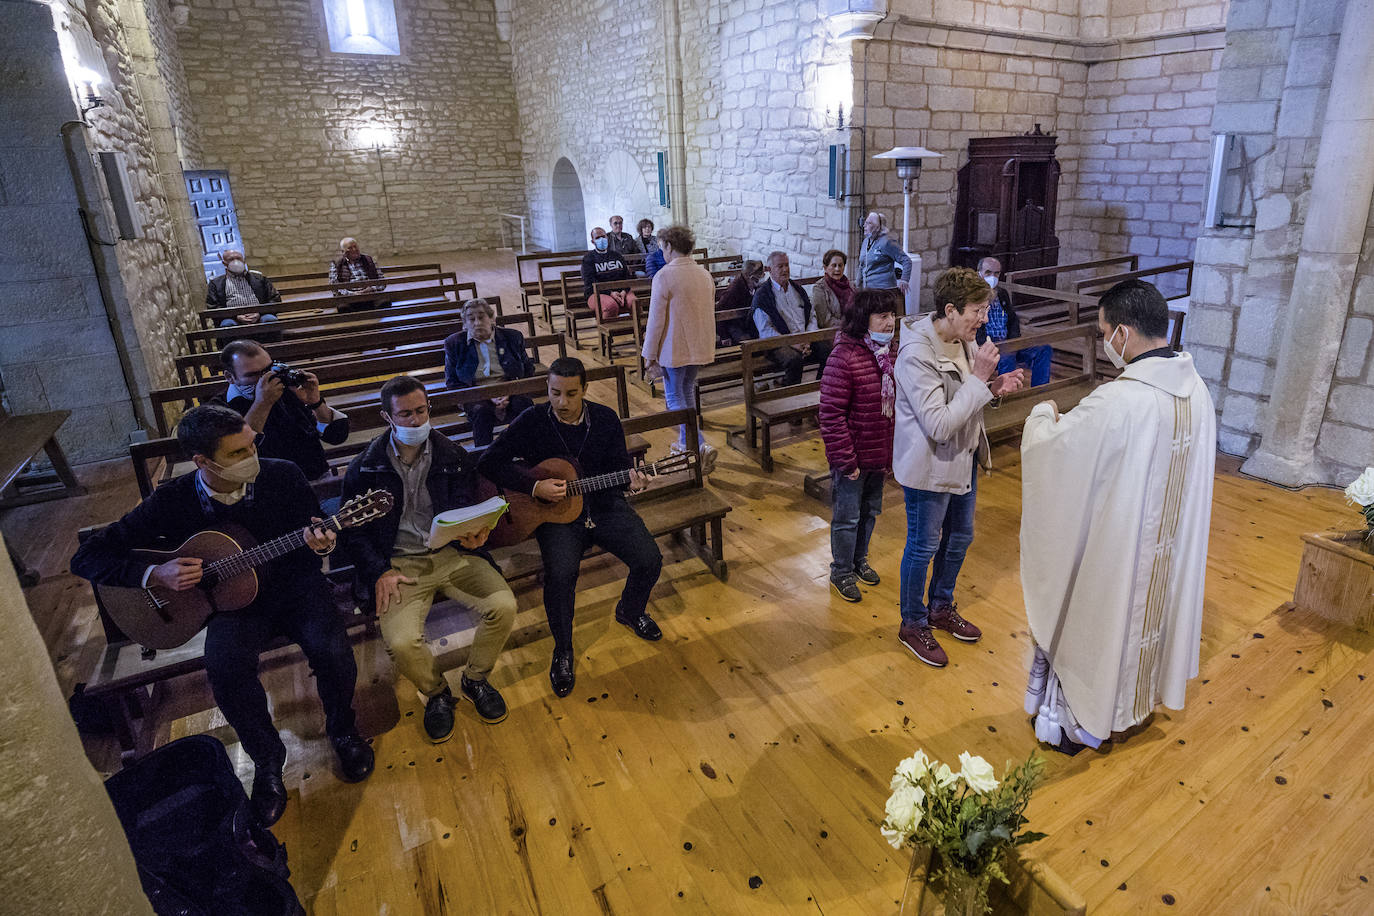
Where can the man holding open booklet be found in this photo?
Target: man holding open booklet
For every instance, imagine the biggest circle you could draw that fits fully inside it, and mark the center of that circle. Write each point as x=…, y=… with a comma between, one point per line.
x=432, y=542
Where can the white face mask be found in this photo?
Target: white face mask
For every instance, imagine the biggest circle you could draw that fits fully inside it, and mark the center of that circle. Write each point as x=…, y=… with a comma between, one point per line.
x=411, y=435
x=1118, y=358
x=245, y=471
x=236, y=266
x=991, y=280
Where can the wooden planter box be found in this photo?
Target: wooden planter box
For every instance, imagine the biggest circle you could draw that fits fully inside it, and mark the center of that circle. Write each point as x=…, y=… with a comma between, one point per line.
x=1337, y=577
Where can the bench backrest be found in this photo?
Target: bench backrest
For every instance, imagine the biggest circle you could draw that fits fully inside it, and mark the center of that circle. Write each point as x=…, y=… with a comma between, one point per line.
x=754, y=358
x=288, y=280
x=392, y=278
x=449, y=287
x=668, y=419
x=144, y=456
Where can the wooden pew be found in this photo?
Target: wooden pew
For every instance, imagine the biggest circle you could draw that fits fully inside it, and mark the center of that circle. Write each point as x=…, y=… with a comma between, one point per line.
x=314, y=324
x=763, y=408
x=334, y=356
x=22, y=436
x=608, y=331
x=1007, y=414
x=399, y=277
x=449, y=288
x=152, y=461
x=289, y=281
x=343, y=340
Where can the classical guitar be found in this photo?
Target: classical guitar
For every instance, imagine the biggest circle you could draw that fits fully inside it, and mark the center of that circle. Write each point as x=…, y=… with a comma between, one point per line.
x=160, y=618
x=528, y=513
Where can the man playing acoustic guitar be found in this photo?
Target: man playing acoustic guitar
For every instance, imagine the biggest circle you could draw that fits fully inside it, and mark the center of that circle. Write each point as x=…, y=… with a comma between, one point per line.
x=268, y=498
x=590, y=435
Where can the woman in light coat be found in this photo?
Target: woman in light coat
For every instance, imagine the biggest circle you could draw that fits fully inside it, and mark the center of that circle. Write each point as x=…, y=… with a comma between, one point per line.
x=943, y=384
x=680, y=336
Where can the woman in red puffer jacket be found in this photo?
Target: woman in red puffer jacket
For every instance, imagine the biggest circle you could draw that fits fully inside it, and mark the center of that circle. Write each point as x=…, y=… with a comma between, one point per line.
x=858, y=398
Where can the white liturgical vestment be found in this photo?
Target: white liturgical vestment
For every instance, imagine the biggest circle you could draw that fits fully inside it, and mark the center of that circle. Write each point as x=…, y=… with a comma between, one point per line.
x=1116, y=504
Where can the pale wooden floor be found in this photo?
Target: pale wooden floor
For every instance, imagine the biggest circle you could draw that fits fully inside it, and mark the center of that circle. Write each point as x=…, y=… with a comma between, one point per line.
x=740, y=766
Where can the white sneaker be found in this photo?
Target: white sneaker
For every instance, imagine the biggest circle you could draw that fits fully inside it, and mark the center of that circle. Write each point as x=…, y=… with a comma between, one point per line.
x=708, y=459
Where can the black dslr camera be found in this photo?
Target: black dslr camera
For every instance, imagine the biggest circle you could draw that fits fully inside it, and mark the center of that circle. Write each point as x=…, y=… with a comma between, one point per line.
x=291, y=378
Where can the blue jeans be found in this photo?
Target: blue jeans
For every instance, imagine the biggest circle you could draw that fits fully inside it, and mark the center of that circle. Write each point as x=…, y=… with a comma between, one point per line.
x=1037, y=359
x=679, y=390
x=854, y=508
x=939, y=528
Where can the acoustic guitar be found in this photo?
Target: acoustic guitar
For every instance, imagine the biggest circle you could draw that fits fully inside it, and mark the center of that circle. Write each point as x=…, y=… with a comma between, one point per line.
x=528, y=513
x=160, y=618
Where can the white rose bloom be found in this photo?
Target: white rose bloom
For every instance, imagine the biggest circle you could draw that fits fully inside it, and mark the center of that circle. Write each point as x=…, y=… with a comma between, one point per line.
x=1362, y=490
x=904, y=808
x=895, y=837
x=914, y=767
x=977, y=772
x=944, y=776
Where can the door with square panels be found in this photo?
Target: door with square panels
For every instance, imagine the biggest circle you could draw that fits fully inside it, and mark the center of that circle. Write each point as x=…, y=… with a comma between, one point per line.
x=213, y=207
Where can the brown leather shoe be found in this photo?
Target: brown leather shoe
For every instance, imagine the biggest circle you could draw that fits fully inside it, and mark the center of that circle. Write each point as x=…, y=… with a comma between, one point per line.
x=946, y=617
x=922, y=644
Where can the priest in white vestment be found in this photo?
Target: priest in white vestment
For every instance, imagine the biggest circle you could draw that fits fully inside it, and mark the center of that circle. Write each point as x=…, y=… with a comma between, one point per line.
x=1116, y=503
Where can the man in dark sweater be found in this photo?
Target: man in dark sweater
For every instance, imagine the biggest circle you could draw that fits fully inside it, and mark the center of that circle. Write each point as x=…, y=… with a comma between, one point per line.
x=603, y=264
x=589, y=435
x=269, y=499
x=292, y=427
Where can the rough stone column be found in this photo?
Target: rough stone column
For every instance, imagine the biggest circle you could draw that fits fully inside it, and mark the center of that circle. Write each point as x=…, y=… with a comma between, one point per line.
x=62, y=845
x=1333, y=233
x=677, y=134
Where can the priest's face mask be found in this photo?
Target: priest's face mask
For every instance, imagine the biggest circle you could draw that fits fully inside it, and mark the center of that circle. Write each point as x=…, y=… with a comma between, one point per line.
x=1114, y=341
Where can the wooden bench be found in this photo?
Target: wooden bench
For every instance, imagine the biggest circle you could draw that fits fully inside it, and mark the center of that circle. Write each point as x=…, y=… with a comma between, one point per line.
x=154, y=461
x=315, y=324
x=449, y=289
x=762, y=409
x=21, y=437
x=609, y=330
x=336, y=343
x=322, y=276
x=396, y=277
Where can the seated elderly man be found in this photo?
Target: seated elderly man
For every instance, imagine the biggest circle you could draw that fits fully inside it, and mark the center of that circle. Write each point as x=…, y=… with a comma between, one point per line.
x=621, y=240
x=358, y=272
x=1004, y=323
x=239, y=287
x=482, y=353
x=601, y=265
x=782, y=307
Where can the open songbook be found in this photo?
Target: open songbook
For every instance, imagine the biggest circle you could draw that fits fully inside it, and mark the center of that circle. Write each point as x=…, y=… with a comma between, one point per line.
x=466, y=521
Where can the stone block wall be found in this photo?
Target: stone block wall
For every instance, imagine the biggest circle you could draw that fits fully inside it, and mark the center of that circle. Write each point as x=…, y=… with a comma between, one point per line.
x=590, y=88
x=288, y=119
x=758, y=78
x=60, y=345
x=1272, y=85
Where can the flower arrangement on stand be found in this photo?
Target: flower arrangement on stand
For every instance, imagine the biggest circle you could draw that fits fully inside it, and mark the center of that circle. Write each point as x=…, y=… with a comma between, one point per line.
x=1361, y=493
x=967, y=818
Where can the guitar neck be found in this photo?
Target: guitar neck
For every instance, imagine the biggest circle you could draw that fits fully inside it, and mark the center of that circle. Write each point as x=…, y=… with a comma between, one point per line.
x=277, y=547
x=607, y=481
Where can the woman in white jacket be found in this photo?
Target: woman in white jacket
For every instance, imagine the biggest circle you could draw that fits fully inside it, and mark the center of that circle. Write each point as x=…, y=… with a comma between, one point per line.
x=943, y=383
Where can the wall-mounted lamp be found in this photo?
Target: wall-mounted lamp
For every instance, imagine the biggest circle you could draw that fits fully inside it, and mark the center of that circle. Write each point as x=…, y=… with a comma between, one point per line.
x=86, y=81
x=909, y=170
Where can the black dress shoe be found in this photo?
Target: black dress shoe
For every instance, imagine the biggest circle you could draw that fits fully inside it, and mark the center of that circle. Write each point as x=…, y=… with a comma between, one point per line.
x=643, y=625
x=561, y=672
x=355, y=756
x=491, y=707
x=439, y=716
x=269, y=796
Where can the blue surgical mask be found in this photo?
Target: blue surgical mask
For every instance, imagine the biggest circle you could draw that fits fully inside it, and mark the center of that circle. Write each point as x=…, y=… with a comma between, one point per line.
x=601, y=243
x=882, y=338
x=411, y=435
x=991, y=280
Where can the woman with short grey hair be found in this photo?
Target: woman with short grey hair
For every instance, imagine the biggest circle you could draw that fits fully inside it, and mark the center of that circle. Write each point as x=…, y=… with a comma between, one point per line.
x=881, y=257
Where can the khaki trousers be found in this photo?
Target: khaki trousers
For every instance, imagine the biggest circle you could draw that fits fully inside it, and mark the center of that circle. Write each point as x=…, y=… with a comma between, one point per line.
x=467, y=579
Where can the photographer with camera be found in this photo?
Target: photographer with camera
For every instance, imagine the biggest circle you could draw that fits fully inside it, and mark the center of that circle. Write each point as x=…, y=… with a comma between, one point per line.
x=290, y=426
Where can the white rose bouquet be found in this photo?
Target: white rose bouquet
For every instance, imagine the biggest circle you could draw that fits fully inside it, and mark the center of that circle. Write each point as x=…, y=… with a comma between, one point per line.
x=967, y=818
x=1361, y=493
